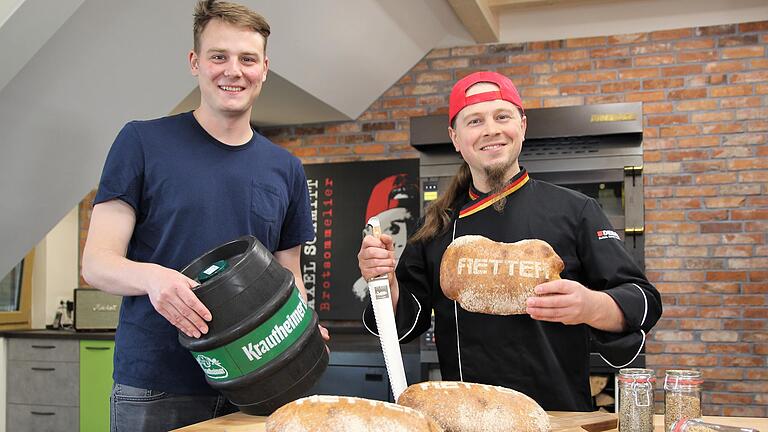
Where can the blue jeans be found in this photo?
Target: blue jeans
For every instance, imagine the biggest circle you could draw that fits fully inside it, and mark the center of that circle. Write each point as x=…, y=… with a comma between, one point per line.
x=133, y=409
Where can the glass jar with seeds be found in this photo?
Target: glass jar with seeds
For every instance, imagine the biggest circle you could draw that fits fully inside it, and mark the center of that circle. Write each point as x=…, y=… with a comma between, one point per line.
x=682, y=395
x=699, y=425
x=636, y=400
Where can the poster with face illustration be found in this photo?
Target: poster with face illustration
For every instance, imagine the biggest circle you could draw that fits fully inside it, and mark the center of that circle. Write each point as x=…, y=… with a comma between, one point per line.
x=343, y=196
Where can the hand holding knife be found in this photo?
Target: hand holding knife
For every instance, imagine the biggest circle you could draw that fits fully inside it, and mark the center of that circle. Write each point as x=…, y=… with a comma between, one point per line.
x=381, y=299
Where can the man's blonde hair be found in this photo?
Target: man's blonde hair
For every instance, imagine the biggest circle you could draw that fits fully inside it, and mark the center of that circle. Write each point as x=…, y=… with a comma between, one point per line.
x=230, y=13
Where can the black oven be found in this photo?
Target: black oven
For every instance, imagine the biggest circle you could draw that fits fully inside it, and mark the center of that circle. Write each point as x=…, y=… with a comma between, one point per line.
x=595, y=149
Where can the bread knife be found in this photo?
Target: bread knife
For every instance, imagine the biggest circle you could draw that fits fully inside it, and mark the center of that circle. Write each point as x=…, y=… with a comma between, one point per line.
x=381, y=299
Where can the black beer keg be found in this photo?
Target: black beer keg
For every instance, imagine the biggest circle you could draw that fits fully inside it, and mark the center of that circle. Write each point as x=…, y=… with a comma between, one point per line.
x=263, y=347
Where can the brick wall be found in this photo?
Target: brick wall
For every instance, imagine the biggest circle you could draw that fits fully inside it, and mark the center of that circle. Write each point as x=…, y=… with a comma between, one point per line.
x=705, y=95
x=84, y=215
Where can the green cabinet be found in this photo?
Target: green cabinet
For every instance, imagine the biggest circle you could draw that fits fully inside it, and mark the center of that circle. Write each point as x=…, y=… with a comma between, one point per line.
x=95, y=384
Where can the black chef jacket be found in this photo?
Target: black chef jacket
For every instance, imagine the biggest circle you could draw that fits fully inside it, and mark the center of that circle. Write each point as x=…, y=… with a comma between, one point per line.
x=546, y=360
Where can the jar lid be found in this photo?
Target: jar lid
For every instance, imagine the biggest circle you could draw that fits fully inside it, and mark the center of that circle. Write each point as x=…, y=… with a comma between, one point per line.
x=684, y=373
x=683, y=377
x=636, y=375
x=637, y=379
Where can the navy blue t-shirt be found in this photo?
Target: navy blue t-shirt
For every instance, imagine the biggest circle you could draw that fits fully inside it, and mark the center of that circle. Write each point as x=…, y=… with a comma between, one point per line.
x=192, y=193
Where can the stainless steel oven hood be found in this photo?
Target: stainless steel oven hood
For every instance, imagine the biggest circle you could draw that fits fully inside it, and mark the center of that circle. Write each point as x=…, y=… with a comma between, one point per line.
x=578, y=138
x=595, y=149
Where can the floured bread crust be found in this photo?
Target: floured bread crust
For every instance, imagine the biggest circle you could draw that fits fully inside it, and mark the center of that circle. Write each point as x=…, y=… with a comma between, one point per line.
x=470, y=407
x=496, y=278
x=347, y=414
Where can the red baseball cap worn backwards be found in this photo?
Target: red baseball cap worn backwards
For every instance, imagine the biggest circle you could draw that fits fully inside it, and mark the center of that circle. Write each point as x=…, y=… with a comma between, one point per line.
x=459, y=99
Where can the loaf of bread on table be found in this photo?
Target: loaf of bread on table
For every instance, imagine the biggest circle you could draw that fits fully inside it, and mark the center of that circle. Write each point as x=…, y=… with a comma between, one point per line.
x=470, y=407
x=347, y=414
x=496, y=278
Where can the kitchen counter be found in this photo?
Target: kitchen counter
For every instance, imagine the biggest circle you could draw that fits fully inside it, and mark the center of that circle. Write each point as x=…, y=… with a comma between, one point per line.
x=59, y=334
x=240, y=422
x=561, y=422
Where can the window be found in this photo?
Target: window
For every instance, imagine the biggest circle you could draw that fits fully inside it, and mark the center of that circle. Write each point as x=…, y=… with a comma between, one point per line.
x=16, y=295
x=10, y=289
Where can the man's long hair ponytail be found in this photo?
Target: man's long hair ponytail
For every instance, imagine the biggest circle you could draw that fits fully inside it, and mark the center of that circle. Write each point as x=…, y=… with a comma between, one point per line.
x=438, y=216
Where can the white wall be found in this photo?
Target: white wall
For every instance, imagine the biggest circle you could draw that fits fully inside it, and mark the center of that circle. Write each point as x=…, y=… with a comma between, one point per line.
x=53, y=277
x=17, y=17
x=7, y=8
x=111, y=61
x=55, y=273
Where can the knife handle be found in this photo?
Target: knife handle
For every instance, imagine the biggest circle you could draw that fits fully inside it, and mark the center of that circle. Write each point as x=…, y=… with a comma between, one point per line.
x=373, y=227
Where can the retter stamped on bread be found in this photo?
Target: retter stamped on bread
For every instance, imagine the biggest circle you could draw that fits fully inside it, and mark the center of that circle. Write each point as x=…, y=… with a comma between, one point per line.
x=496, y=278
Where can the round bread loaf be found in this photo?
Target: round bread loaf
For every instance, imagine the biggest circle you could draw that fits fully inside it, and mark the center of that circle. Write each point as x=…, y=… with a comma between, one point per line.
x=496, y=278
x=470, y=407
x=347, y=414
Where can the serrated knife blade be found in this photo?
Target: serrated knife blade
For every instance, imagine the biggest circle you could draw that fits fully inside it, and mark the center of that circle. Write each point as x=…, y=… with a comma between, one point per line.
x=381, y=299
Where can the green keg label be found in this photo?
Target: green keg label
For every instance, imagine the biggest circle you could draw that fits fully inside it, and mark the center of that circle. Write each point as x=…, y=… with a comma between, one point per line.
x=261, y=345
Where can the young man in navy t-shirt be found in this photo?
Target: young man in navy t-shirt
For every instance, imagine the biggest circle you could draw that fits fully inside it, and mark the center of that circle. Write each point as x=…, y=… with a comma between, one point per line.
x=172, y=189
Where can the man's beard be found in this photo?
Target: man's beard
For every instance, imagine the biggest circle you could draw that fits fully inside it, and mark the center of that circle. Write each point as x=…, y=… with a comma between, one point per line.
x=496, y=176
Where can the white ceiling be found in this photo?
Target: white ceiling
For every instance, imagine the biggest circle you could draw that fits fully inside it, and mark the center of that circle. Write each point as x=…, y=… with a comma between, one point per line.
x=565, y=19
x=398, y=29
x=74, y=71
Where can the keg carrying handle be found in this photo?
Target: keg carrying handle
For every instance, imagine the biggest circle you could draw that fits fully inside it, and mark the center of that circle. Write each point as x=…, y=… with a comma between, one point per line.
x=381, y=299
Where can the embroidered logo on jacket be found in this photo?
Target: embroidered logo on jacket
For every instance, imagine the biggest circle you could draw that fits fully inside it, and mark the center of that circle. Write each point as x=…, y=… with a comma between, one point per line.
x=607, y=234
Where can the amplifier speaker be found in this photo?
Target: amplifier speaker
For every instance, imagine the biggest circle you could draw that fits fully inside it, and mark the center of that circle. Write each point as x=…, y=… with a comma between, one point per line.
x=96, y=310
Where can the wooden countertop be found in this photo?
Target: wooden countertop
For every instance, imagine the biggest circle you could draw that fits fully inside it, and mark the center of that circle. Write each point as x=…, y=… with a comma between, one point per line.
x=759, y=423
x=561, y=422
x=240, y=422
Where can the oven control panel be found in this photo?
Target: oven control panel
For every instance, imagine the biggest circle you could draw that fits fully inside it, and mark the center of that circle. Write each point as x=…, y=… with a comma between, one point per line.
x=429, y=190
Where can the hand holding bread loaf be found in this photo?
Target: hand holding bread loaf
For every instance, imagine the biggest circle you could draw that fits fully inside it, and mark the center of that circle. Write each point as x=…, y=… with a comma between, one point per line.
x=496, y=278
x=470, y=407
x=347, y=414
